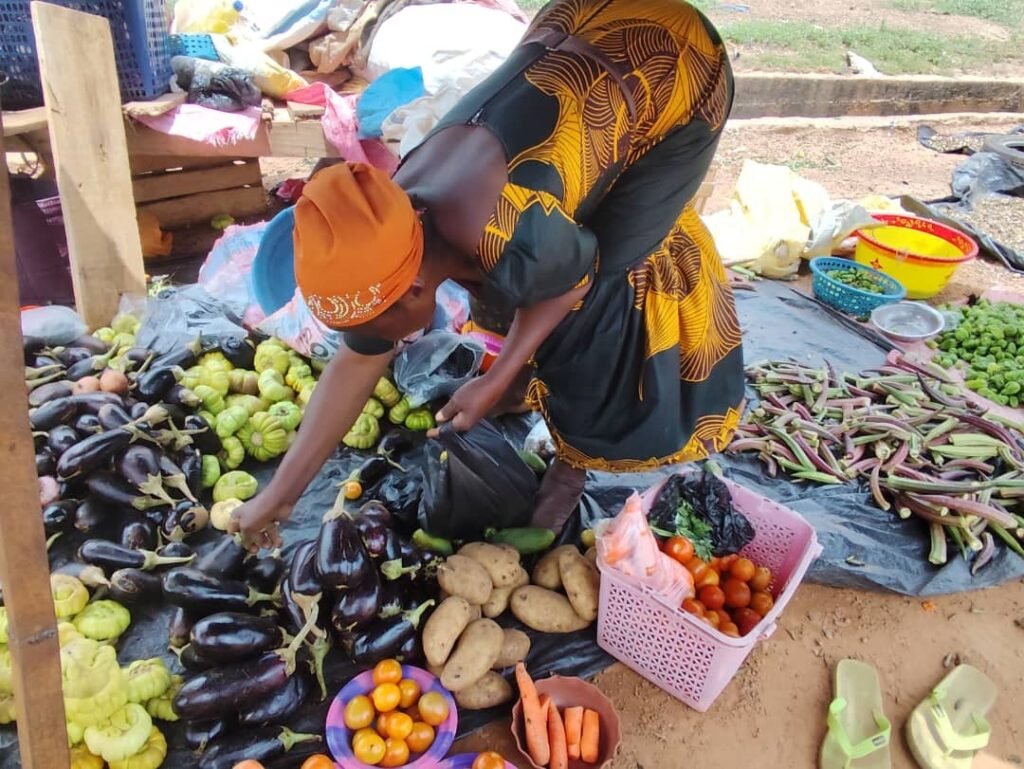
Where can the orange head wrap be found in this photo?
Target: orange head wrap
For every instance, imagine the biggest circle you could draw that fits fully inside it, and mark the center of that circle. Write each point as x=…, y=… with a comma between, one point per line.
x=358, y=244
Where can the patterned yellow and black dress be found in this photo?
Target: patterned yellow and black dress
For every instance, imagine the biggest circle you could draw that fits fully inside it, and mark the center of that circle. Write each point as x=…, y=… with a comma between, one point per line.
x=610, y=112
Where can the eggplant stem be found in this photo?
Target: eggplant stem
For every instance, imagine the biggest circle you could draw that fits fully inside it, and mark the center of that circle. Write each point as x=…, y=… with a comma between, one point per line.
x=154, y=487
x=290, y=739
x=319, y=650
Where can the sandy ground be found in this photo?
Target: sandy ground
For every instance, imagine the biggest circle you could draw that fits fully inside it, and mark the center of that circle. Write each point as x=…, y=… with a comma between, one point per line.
x=775, y=709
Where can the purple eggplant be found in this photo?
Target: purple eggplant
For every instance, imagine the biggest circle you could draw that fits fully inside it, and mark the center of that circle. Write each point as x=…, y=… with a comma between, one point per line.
x=95, y=345
x=240, y=352
x=93, y=516
x=193, y=661
x=232, y=637
x=261, y=745
x=184, y=520
x=177, y=550
x=371, y=470
x=375, y=511
x=69, y=356
x=191, y=464
x=291, y=613
x=45, y=361
x=179, y=628
x=92, y=402
x=108, y=555
x=138, y=464
x=48, y=392
x=185, y=356
x=135, y=586
x=392, y=599
x=112, y=416
x=60, y=439
x=139, y=535
x=59, y=517
x=199, y=734
x=46, y=462
x=137, y=356
x=203, y=436
x=91, y=453
x=138, y=410
x=384, y=638
x=358, y=605
x=152, y=386
x=182, y=397
x=224, y=559
x=53, y=413
x=341, y=560
x=205, y=594
x=280, y=706
x=302, y=573
x=114, y=490
x=87, y=424
x=219, y=691
x=264, y=573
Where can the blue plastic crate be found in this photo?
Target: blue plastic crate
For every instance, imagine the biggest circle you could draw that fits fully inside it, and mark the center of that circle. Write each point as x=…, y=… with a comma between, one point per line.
x=196, y=46
x=141, y=48
x=847, y=298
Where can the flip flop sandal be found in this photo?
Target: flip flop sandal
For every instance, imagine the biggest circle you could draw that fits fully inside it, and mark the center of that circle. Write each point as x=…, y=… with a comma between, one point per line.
x=858, y=731
x=946, y=730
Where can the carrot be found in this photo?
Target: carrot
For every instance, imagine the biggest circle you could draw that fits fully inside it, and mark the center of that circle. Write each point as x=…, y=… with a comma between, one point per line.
x=573, y=731
x=535, y=719
x=556, y=739
x=590, y=741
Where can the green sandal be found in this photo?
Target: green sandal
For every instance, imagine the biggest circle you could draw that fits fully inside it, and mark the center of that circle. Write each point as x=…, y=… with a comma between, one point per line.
x=946, y=730
x=858, y=731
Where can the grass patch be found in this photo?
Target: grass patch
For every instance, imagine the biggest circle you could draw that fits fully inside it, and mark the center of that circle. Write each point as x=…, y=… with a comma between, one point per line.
x=800, y=46
x=1009, y=13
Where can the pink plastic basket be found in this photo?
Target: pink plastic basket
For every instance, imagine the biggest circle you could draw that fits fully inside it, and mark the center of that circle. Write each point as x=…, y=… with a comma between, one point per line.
x=677, y=652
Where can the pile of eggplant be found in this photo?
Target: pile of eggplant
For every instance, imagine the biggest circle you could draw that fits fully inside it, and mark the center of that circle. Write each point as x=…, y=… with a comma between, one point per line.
x=115, y=446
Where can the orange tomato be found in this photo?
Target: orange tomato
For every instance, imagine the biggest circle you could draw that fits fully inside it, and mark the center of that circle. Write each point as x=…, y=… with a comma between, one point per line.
x=413, y=713
x=363, y=734
x=410, y=691
x=359, y=712
x=421, y=737
x=694, y=607
x=745, y=619
x=399, y=725
x=743, y=569
x=729, y=629
x=248, y=764
x=370, y=750
x=488, y=760
x=387, y=672
x=712, y=596
x=761, y=603
x=708, y=578
x=696, y=566
x=679, y=549
x=723, y=617
x=352, y=490
x=396, y=752
x=712, y=619
x=761, y=580
x=319, y=761
x=386, y=697
x=726, y=561
x=433, y=708
x=737, y=593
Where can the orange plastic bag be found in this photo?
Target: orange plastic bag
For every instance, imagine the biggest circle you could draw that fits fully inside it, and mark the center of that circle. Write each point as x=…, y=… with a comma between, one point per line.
x=627, y=544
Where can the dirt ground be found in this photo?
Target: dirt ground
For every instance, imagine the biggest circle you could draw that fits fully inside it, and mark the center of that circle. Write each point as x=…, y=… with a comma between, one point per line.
x=775, y=709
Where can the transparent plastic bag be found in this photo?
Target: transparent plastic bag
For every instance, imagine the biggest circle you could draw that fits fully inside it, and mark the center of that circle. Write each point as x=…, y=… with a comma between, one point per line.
x=626, y=543
x=56, y=325
x=436, y=366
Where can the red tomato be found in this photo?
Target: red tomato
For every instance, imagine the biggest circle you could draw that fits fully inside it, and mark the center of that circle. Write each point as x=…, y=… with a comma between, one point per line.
x=723, y=617
x=737, y=593
x=729, y=629
x=679, y=549
x=761, y=603
x=709, y=578
x=745, y=620
x=762, y=579
x=743, y=569
x=726, y=561
x=711, y=618
x=696, y=566
x=712, y=596
x=694, y=607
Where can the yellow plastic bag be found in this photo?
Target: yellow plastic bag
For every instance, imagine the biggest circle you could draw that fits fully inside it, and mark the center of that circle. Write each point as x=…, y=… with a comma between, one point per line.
x=155, y=242
x=269, y=76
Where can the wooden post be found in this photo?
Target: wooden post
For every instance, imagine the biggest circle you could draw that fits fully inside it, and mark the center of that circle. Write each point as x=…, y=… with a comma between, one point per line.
x=24, y=567
x=83, y=108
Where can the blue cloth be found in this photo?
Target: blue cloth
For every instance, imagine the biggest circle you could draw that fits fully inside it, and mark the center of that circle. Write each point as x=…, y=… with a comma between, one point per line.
x=273, y=267
x=384, y=95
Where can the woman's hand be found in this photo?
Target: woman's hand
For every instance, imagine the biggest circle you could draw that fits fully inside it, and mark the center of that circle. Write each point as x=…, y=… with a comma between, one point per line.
x=471, y=403
x=258, y=520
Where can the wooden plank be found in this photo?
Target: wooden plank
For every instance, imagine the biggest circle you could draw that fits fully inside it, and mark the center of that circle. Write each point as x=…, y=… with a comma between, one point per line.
x=143, y=141
x=300, y=139
x=173, y=185
x=83, y=108
x=24, y=567
x=142, y=164
x=24, y=121
x=154, y=107
x=300, y=111
x=177, y=212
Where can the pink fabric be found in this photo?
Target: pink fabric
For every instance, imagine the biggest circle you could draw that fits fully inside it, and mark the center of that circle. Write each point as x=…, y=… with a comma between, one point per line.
x=206, y=125
x=341, y=127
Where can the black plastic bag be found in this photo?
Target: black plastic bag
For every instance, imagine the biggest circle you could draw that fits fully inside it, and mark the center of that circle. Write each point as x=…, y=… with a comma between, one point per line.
x=473, y=481
x=400, y=492
x=710, y=499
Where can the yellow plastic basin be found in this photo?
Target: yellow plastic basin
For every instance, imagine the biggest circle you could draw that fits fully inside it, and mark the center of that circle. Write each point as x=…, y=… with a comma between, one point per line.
x=919, y=253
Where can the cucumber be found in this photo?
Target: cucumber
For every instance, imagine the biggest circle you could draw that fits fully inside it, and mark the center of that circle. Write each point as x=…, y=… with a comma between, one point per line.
x=534, y=462
x=526, y=540
x=425, y=541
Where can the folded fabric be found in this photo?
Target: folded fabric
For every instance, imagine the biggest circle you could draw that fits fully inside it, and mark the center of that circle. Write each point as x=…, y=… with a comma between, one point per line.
x=386, y=94
x=206, y=125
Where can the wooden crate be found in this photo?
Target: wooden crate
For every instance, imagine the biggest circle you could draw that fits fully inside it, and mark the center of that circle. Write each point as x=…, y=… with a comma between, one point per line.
x=182, y=191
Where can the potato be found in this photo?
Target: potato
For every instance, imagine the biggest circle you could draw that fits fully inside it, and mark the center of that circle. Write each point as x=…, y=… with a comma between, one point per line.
x=502, y=566
x=514, y=649
x=545, y=610
x=489, y=691
x=582, y=583
x=466, y=578
x=591, y=555
x=477, y=649
x=444, y=627
x=545, y=573
x=498, y=601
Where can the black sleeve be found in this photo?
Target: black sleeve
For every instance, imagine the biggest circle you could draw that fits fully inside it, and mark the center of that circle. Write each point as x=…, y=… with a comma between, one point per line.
x=366, y=345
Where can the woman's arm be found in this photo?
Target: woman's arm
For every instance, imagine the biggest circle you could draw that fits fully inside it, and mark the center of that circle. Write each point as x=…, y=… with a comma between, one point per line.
x=532, y=325
x=340, y=395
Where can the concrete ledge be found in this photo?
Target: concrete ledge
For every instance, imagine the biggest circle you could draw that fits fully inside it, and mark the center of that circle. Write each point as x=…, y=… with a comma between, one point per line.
x=821, y=96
